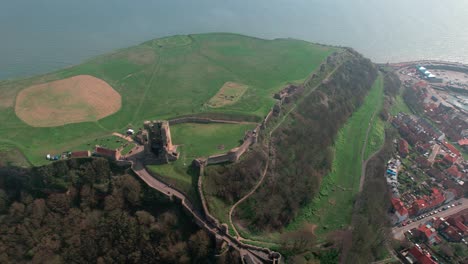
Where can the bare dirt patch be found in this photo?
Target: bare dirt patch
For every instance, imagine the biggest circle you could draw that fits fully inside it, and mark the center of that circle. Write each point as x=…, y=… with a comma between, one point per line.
x=229, y=94
x=77, y=99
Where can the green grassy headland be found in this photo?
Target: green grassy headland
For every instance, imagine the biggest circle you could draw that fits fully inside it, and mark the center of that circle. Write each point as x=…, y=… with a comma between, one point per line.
x=166, y=78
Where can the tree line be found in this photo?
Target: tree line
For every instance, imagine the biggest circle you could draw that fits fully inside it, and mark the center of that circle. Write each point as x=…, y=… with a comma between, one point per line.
x=91, y=211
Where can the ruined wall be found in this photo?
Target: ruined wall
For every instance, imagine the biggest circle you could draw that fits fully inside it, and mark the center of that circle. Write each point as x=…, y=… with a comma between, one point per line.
x=211, y=219
x=158, y=145
x=199, y=120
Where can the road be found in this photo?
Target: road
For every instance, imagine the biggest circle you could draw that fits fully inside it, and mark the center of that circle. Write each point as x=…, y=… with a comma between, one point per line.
x=435, y=150
x=398, y=232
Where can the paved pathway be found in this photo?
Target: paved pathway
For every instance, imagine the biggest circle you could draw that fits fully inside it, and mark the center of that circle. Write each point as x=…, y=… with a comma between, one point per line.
x=258, y=255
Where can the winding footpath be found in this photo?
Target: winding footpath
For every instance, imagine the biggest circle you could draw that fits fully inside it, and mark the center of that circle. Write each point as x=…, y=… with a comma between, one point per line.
x=256, y=254
x=265, y=170
x=363, y=153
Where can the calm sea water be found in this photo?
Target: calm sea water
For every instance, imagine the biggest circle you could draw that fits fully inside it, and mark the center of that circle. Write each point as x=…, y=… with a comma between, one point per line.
x=44, y=35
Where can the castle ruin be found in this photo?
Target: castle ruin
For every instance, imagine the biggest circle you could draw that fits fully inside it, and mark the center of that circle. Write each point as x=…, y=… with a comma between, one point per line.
x=157, y=141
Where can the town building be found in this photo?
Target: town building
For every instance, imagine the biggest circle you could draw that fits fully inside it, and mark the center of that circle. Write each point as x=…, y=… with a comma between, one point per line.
x=403, y=148
x=80, y=154
x=107, y=153
x=417, y=255
x=426, y=204
x=401, y=212
x=428, y=234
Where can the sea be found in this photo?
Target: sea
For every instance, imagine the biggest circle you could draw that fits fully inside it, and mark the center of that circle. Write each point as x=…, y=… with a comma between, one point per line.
x=39, y=36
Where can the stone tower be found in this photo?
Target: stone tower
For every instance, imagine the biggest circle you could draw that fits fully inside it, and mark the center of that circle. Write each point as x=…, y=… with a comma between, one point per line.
x=159, y=143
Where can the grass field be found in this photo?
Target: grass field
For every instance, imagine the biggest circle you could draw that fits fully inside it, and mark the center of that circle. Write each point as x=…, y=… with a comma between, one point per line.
x=377, y=131
x=198, y=140
x=399, y=105
x=10, y=156
x=165, y=78
x=203, y=140
x=331, y=209
x=110, y=142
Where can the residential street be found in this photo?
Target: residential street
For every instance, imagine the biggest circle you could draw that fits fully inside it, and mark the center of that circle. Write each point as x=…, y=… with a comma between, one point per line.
x=398, y=232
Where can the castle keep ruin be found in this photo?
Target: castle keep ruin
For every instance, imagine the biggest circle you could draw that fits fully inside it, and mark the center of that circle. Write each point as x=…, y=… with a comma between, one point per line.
x=157, y=141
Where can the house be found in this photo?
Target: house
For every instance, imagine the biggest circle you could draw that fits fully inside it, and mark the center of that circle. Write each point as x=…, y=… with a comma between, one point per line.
x=458, y=223
x=450, y=158
x=452, y=149
x=453, y=172
x=463, y=142
x=427, y=203
x=80, y=154
x=403, y=148
x=437, y=174
x=451, y=234
x=423, y=162
x=108, y=153
x=418, y=255
x=400, y=211
x=428, y=234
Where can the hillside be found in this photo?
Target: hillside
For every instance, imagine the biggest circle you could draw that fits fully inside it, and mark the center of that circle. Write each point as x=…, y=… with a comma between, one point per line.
x=298, y=147
x=223, y=74
x=92, y=211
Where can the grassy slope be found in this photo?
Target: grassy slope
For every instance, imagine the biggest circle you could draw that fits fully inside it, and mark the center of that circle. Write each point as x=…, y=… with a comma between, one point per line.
x=399, y=106
x=332, y=208
x=377, y=133
x=166, y=78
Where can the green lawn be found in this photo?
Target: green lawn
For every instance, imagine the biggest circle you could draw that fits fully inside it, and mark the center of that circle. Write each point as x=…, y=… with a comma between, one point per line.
x=399, y=106
x=377, y=132
x=198, y=140
x=166, y=78
x=332, y=207
x=203, y=140
x=181, y=176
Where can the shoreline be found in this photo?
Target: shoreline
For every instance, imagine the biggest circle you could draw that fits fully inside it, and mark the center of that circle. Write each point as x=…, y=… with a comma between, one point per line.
x=426, y=62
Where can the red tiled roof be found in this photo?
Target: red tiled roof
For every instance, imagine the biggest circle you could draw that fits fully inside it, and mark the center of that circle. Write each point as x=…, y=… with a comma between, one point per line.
x=452, y=233
x=403, y=146
x=80, y=154
x=105, y=152
x=421, y=257
x=453, y=171
x=420, y=84
x=399, y=206
x=426, y=230
x=436, y=199
x=453, y=149
x=463, y=142
x=450, y=158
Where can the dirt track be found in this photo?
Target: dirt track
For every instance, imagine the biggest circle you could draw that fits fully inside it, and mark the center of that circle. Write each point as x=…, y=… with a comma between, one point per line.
x=256, y=253
x=77, y=99
x=265, y=170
